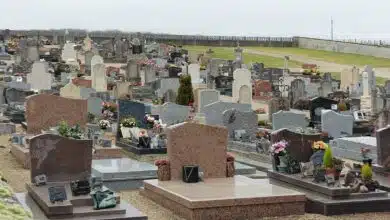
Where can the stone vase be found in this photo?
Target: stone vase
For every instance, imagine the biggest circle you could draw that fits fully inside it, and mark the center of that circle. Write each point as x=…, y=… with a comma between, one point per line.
x=230, y=169
x=163, y=173
x=282, y=161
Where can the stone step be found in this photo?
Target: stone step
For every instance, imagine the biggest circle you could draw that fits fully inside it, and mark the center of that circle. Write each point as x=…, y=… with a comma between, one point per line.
x=87, y=211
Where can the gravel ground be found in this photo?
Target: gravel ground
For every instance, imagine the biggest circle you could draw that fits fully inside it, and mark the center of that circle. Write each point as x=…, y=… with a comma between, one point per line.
x=17, y=177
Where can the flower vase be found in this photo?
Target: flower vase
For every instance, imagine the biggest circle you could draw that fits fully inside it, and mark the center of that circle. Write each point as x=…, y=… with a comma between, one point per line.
x=230, y=169
x=282, y=161
x=163, y=173
x=125, y=131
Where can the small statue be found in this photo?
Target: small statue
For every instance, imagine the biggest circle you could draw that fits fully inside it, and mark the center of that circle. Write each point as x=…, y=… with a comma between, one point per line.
x=103, y=199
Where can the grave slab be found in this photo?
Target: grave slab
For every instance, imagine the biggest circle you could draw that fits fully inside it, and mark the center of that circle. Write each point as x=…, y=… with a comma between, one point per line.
x=225, y=198
x=350, y=147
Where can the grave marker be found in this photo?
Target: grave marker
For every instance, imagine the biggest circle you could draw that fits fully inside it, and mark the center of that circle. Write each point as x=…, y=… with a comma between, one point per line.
x=337, y=125
x=289, y=120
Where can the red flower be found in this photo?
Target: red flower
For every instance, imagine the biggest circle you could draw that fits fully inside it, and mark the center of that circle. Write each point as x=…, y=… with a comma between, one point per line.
x=229, y=157
x=161, y=162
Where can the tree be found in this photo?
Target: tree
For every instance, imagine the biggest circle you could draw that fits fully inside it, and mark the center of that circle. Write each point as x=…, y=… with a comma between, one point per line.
x=185, y=94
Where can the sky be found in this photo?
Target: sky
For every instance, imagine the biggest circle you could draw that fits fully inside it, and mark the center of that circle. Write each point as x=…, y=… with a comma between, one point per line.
x=358, y=19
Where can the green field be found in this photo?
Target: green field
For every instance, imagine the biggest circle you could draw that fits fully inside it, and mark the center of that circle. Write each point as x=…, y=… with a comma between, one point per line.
x=228, y=54
x=334, y=57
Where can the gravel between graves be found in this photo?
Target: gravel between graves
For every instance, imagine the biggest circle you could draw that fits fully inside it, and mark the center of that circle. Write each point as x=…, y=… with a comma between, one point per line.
x=17, y=177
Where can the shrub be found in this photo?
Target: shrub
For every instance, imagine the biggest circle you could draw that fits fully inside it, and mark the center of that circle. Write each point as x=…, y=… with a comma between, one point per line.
x=366, y=172
x=328, y=158
x=262, y=123
x=185, y=94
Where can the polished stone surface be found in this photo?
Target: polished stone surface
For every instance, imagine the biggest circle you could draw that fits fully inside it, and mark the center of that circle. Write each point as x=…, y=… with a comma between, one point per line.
x=217, y=192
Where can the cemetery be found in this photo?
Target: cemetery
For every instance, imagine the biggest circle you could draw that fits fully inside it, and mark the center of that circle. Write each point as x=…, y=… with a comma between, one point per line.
x=96, y=125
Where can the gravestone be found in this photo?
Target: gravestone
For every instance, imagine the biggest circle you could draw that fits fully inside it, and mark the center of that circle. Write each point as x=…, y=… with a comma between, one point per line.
x=56, y=109
x=297, y=90
x=122, y=89
x=95, y=105
x=317, y=105
x=99, y=78
x=276, y=104
x=68, y=52
x=337, y=125
x=96, y=59
x=167, y=87
x=349, y=78
x=237, y=120
x=325, y=88
x=39, y=78
x=206, y=96
x=263, y=90
x=191, y=144
x=299, y=144
x=150, y=74
x=33, y=54
x=214, y=65
x=54, y=156
x=242, y=86
x=289, y=120
x=133, y=70
x=15, y=95
x=88, y=59
x=194, y=72
x=383, y=146
x=171, y=113
x=19, y=86
x=127, y=108
x=213, y=112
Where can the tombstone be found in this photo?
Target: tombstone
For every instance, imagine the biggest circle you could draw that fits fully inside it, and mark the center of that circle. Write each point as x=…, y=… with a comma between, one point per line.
x=336, y=125
x=236, y=120
x=15, y=95
x=150, y=74
x=171, y=113
x=276, y=104
x=289, y=120
x=19, y=86
x=96, y=59
x=95, y=106
x=88, y=59
x=122, y=89
x=54, y=156
x=56, y=109
x=87, y=44
x=71, y=91
x=300, y=145
x=68, y=52
x=127, y=108
x=298, y=90
x=327, y=77
x=262, y=90
x=99, y=78
x=383, y=146
x=242, y=86
x=213, y=112
x=194, y=72
x=214, y=66
x=325, y=88
x=168, y=84
x=207, y=96
x=349, y=78
x=133, y=70
x=184, y=138
x=317, y=105
x=170, y=96
x=39, y=78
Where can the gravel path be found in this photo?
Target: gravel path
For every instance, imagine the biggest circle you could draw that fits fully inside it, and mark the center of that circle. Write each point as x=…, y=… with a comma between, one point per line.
x=324, y=66
x=17, y=177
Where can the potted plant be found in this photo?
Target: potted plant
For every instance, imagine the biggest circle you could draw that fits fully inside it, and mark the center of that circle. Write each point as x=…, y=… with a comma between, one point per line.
x=74, y=132
x=278, y=151
x=338, y=165
x=230, y=169
x=104, y=124
x=163, y=171
x=366, y=159
x=149, y=121
x=328, y=162
x=126, y=125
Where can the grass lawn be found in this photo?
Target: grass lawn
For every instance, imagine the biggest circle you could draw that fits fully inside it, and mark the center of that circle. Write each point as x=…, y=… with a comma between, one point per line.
x=228, y=54
x=379, y=80
x=340, y=58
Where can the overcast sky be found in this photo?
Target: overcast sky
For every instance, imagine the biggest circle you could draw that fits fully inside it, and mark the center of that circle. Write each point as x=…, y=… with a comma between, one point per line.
x=360, y=19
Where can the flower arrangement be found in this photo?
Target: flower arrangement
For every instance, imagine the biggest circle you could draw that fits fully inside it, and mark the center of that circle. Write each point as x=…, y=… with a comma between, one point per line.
x=229, y=157
x=104, y=124
x=143, y=133
x=319, y=145
x=364, y=151
x=65, y=130
x=129, y=122
x=260, y=111
x=279, y=148
x=149, y=120
x=109, y=106
x=328, y=158
x=161, y=162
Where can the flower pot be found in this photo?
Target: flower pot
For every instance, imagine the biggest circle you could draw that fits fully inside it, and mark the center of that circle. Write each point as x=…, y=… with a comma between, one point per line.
x=282, y=161
x=125, y=132
x=163, y=173
x=330, y=171
x=230, y=169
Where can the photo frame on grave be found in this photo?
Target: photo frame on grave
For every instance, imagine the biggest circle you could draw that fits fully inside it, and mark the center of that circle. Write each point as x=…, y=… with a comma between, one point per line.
x=57, y=194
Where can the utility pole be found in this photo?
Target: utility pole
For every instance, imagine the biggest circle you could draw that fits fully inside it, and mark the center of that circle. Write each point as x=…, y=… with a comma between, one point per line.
x=331, y=28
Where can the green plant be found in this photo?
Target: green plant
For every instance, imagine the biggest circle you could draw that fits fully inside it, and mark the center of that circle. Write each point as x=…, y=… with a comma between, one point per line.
x=91, y=117
x=63, y=128
x=338, y=163
x=185, y=94
x=366, y=172
x=129, y=122
x=74, y=132
x=262, y=123
x=328, y=158
x=342, y=106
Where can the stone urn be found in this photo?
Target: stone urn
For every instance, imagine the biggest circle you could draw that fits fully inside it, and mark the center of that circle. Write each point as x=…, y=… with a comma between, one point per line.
x=163, y=170
x=230, y=169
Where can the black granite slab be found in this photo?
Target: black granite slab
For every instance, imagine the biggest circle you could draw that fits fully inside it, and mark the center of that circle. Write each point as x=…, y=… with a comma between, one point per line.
x=133, y=148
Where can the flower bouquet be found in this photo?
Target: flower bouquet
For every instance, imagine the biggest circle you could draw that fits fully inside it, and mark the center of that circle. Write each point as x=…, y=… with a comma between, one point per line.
x=128, y=122
x=278, y=151
x=149, y=121
x=163, y=171
x=104, y=124
x=319, y=145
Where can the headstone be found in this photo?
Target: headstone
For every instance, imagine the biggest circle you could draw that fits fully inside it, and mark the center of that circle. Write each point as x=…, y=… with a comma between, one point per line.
x=88, y=59
x=237, y=120
x=54, y=156
x=39, y=78
x=171, y=113
x=133, y=70
x=297, y=90
x=96, y=59
x=317, y=105
x=365, y=99
x=95, y=105
x=99, y=78
x=276, y=104
x=33, y=54
x=242, y=86
x=349, y=78
x=325, y=88
x=263, y=90
x=122, y=89
x=383, y=146
x=191, y=144
x=213, y=112
x=68, y=52
x=207, y=96
x=194, y=72
x=127, y=108
x=56, y=109
x=337, y=125
x=289, y=120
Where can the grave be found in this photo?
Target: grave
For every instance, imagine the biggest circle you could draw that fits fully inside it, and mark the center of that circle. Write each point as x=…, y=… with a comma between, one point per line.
x=262, y=90
x=277, y=104
x=39, y=78
x=171, y=113
x=215, y=196
x=68, y=52
x=350, y=147
x=73, y=91
x=20, y=149
x=205, y=97
x=317, y=105
x=288, y=119
x=52, y=156
x=235, y=120
x=99, y=78
x=242, y=86
x=213, y=112
x=336, y=125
